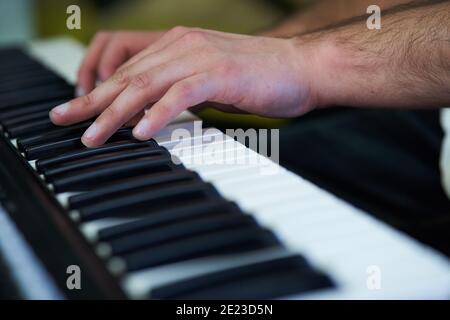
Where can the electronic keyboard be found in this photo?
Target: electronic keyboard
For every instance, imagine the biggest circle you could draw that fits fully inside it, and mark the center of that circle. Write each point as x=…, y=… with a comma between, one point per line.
x=155, y=220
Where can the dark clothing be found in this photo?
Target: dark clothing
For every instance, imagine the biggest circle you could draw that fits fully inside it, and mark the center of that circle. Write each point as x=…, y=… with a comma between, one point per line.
x=384, y=161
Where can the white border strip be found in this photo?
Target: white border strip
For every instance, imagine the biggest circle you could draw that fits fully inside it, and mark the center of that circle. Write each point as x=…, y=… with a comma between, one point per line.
x=27, y=270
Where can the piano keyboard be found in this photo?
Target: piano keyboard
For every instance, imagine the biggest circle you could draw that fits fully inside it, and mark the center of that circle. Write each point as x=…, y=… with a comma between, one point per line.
x=144, y=226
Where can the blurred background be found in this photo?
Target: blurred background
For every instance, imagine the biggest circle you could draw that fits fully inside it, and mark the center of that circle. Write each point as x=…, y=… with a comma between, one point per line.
x=24, y=20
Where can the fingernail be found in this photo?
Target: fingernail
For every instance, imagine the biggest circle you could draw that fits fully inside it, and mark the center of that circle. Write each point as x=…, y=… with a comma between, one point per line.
x=90, y=132
x=142, y=128
x=79, y=92
x=61, y=109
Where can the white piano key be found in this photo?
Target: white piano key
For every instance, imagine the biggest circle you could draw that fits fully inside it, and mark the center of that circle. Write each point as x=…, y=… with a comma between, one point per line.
x=315, y=213
x=170, y=142
x=32, y=164
x=27, y=270
x=137, y=284
x=210, y=148
x=63, y=198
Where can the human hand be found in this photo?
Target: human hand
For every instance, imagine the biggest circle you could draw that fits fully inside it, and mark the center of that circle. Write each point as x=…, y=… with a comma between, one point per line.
x=186, y=67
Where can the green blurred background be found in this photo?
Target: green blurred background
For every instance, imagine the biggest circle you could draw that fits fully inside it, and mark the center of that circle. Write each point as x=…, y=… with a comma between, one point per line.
x=23, y=20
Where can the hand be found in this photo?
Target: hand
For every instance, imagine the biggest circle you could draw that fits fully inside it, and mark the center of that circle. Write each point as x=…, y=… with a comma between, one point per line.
x=108, y=51
x=186, y=67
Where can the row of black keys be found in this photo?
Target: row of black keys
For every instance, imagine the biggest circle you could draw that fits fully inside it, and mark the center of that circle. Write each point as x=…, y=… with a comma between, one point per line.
x=169, y=214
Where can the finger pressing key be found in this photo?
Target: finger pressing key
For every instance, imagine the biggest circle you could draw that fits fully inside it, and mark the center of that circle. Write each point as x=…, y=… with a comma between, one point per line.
x=143, y=89
x=181, y=96
x=88, y=106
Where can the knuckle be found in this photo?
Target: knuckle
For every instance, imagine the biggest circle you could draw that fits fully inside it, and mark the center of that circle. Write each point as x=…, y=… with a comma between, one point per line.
x=183, y=90
x=161, y=110
x=178, y=30
x=87, y=100
x=118, y=38
x=111, y=113
x=102, y=34
x=141, y=81
x=120, y=77
x=113, y=41
x=194, y=36
x=119, y=35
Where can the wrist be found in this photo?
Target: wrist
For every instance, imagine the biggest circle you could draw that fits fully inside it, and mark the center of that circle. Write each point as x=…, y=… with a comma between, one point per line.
x=314, y=65
x=338, y=69
x=302, y=63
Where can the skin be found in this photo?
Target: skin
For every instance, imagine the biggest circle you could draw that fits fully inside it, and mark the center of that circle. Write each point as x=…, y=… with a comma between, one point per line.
x=107, y=52
x=405, y=64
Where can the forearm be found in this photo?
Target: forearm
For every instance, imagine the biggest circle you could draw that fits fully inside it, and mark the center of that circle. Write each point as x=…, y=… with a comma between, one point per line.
x=405, y=64
x=327, y=12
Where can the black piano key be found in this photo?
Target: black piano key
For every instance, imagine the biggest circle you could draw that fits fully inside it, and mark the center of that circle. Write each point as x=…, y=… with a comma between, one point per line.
x=13, y=52
x=179, y=230
x=17, y=61
x=36, y=74
x=23, y=119
x=128, y=186
x=54, y=136
x=18, y=73
x=53, y=148
x=236, y=240
x=64, y=133
x=89, y=152
x=16, y=57
x=272, y=279
x=95, y=179
x=171, y=215
x=34, y=95
x=30, y=128
x=70, y=144
x=29, y=109
x=30, y=82
x=96, y=161
x=143, y=202
x=18, y=66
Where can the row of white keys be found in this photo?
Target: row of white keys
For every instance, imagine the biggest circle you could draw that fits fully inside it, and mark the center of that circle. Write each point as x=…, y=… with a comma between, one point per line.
x=282, y=212
x=141, y=282
x=138, y=283
x=332, y=234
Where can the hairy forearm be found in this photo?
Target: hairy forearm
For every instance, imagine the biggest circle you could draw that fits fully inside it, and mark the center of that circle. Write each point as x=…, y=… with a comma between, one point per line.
x=405, y=64
x=327, y=12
